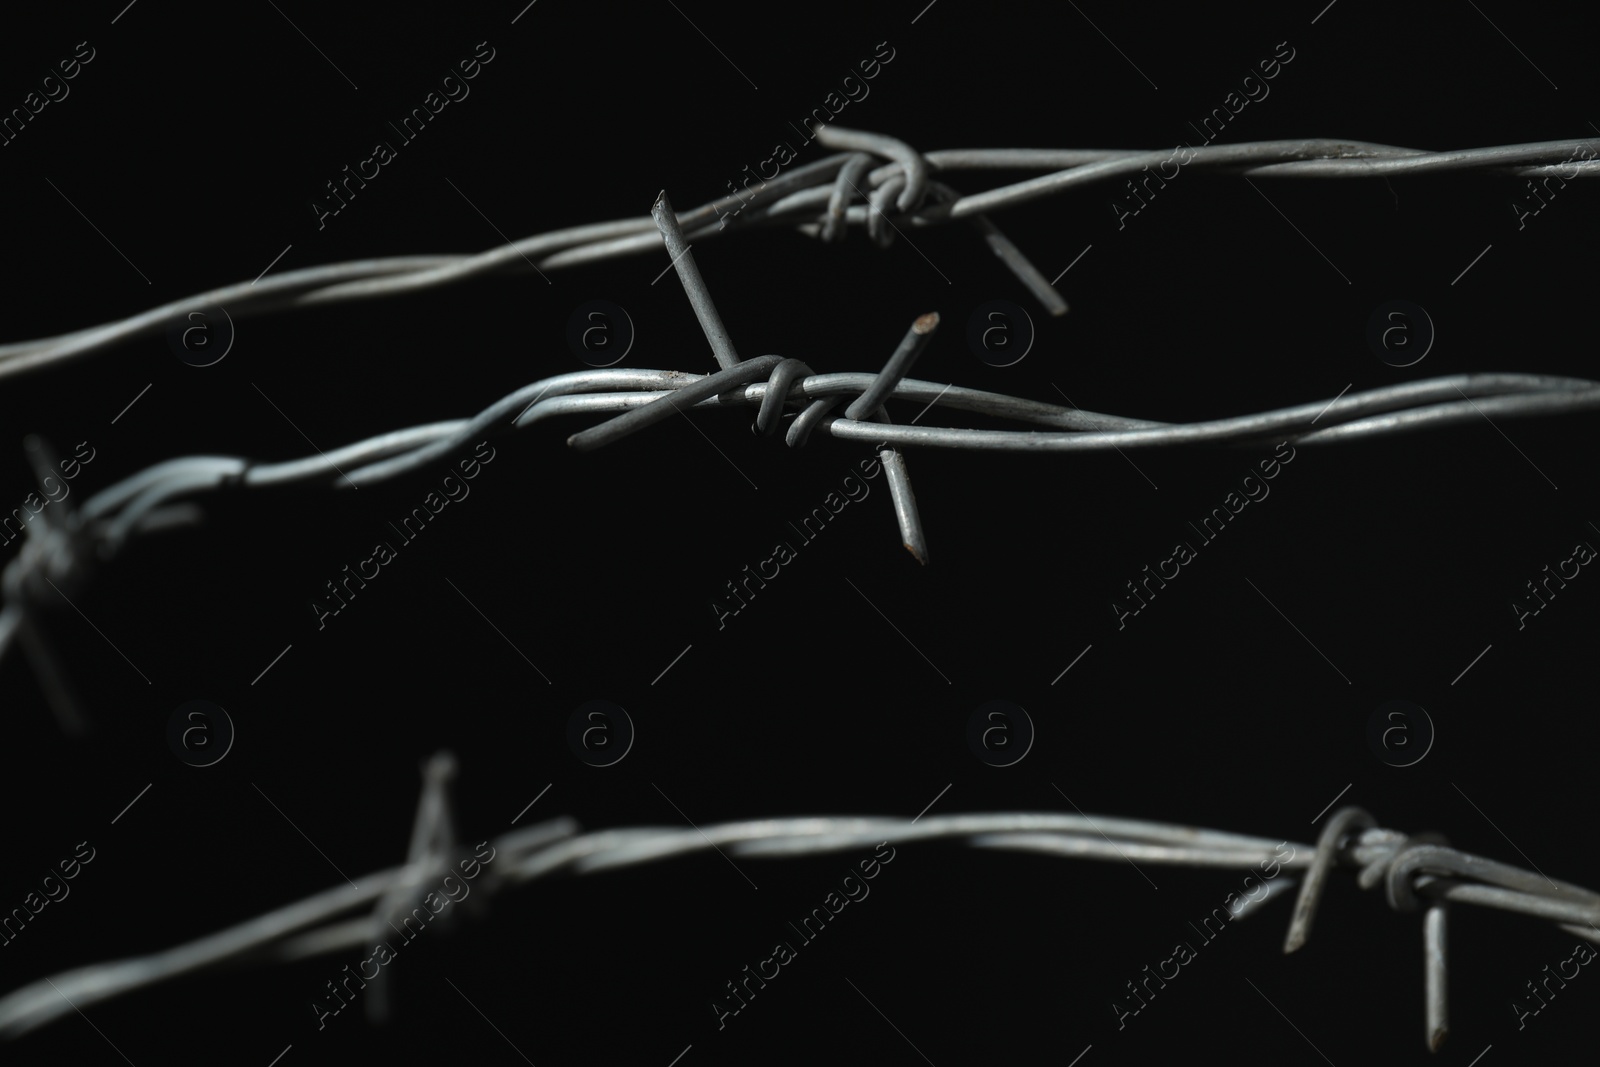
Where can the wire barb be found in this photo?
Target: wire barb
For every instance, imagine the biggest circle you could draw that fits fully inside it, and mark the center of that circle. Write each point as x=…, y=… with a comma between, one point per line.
x=705, y=309
x=312, y=927
x=58, y=557
x=813, y=198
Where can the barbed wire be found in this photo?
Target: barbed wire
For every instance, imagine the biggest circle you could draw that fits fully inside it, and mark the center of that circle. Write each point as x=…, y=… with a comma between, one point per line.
x=819, y=199
x=1417, y=872
x=823, y=199
x=63, y=545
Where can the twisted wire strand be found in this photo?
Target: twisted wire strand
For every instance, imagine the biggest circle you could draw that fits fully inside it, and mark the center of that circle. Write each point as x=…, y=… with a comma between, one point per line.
x=61, y=548
x=1412, y=868
x=1416, y=871
x=813, y=198
x=59, y=552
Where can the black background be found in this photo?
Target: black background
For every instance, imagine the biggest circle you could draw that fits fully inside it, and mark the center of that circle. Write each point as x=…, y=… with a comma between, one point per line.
x=195, y=142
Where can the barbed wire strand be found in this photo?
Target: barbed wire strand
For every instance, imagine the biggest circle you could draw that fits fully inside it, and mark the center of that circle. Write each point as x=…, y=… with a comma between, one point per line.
x=1411, y=867
x=62, y=549
x=58, y=549
x=812, y=198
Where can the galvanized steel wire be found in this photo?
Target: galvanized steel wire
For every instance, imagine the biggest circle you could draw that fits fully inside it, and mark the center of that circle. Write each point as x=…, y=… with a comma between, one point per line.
x=824, y=199
x=65, y=545
x=62, y=544
x=1416, y=871
x=815, y=198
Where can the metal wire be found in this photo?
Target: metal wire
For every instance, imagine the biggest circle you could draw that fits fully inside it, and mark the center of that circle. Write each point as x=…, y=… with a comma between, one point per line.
x=64, y=544
x=61, y=549
x=1406, y=865
x=814, y=199
x=1417, y=872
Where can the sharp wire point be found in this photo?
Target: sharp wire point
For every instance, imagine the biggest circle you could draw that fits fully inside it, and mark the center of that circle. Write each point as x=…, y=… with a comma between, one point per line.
x=313, y=927
x=1305, y=905
x=1435, y=975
